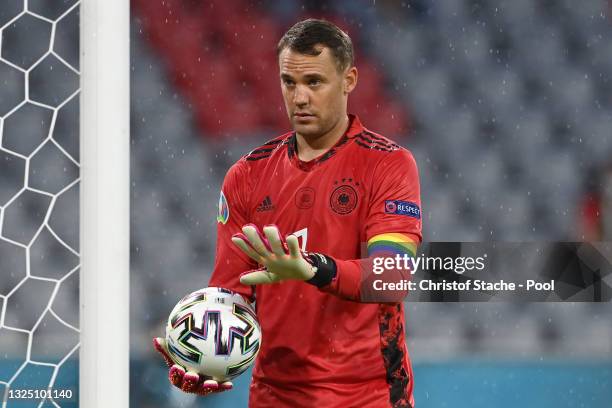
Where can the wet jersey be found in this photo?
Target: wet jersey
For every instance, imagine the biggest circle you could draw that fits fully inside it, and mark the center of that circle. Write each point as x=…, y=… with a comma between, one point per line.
x=323, y=347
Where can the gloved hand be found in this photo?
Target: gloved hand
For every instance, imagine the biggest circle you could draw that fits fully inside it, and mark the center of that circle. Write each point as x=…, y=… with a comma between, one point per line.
x=281, y=259
x=188, y=381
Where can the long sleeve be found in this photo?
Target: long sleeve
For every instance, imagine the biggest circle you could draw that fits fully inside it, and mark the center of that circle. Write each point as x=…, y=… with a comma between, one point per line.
x=230, y=262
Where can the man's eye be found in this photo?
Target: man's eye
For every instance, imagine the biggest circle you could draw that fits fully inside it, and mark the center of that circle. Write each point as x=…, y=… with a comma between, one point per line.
x=288, y=82
x=314, y=82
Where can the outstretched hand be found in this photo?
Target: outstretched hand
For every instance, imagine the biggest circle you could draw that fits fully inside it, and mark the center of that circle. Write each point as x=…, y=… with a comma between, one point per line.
x=188, y=381
x=281, y=258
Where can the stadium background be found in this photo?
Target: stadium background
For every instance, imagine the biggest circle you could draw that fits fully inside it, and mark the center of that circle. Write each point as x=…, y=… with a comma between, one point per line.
x=506, y=105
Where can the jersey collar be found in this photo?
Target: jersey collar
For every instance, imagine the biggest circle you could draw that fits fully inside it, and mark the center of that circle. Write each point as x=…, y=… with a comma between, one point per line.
x=354, y=128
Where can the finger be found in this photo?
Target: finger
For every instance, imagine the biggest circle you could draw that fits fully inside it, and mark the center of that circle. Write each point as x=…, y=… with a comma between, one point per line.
x=161, y=347
x=176, y=375
x=258, y=276
x=225, y=386
x=257, y=241
x=274, y=238
x=190, y=382
x=242, y=242
x=210, y=385
x=294, y=246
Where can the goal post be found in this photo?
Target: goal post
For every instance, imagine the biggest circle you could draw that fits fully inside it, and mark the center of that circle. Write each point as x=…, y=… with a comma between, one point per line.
x=104, y=234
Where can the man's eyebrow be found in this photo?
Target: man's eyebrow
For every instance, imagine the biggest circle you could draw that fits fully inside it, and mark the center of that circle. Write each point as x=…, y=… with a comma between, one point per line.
x=306, y=76
x=314, y=76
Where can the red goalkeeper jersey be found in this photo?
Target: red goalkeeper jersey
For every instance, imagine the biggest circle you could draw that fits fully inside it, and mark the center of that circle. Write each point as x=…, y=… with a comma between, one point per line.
x=323, y=347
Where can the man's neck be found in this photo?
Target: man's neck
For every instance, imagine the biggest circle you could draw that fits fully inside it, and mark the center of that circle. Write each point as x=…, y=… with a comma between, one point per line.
x=310, y=148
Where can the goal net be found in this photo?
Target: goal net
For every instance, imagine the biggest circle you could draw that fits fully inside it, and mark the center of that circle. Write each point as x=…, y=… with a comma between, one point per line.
x=39, y=189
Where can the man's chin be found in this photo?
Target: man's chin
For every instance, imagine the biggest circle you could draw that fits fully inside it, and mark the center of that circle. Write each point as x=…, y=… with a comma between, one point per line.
x=306, y=129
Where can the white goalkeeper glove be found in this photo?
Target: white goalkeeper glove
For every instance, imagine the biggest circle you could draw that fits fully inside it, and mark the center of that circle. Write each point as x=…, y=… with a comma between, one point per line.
x=281, y=259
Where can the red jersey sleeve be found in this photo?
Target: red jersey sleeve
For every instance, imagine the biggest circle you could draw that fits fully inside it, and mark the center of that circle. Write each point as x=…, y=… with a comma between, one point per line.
x=395, y=205
x=230, y=261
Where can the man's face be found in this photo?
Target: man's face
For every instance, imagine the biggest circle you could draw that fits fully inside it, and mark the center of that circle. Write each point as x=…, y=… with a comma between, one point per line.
x=314, y=91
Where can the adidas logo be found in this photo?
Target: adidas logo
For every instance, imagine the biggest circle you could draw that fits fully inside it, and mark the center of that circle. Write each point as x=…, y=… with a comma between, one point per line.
x=265, y=205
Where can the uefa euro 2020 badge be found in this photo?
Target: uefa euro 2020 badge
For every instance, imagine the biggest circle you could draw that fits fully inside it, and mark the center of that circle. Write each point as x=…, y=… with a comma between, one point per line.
x=223, y=215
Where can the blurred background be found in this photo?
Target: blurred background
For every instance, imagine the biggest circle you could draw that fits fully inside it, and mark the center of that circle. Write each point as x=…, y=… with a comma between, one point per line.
x=507, y=107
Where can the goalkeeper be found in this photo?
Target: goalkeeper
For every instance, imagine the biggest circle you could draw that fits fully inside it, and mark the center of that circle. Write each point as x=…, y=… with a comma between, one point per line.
x=293, y=215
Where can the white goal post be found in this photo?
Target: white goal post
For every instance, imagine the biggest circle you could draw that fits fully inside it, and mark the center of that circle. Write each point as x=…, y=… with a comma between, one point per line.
x=105, y=142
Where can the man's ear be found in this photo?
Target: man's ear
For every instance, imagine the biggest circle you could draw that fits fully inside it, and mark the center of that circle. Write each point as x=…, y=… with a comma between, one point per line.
x=350, y=80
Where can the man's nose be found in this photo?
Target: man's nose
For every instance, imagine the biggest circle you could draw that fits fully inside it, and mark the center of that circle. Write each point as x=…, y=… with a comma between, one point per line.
x=300, y=97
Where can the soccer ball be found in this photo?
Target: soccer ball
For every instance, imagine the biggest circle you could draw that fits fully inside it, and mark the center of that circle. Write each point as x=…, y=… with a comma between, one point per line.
x=213, y=332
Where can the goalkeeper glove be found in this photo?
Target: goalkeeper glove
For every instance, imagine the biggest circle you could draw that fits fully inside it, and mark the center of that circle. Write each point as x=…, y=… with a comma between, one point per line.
x=188, y=381
x=281, y=259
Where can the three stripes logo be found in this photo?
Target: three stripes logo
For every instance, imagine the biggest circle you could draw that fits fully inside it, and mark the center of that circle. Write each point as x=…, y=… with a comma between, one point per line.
x=265, y=205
